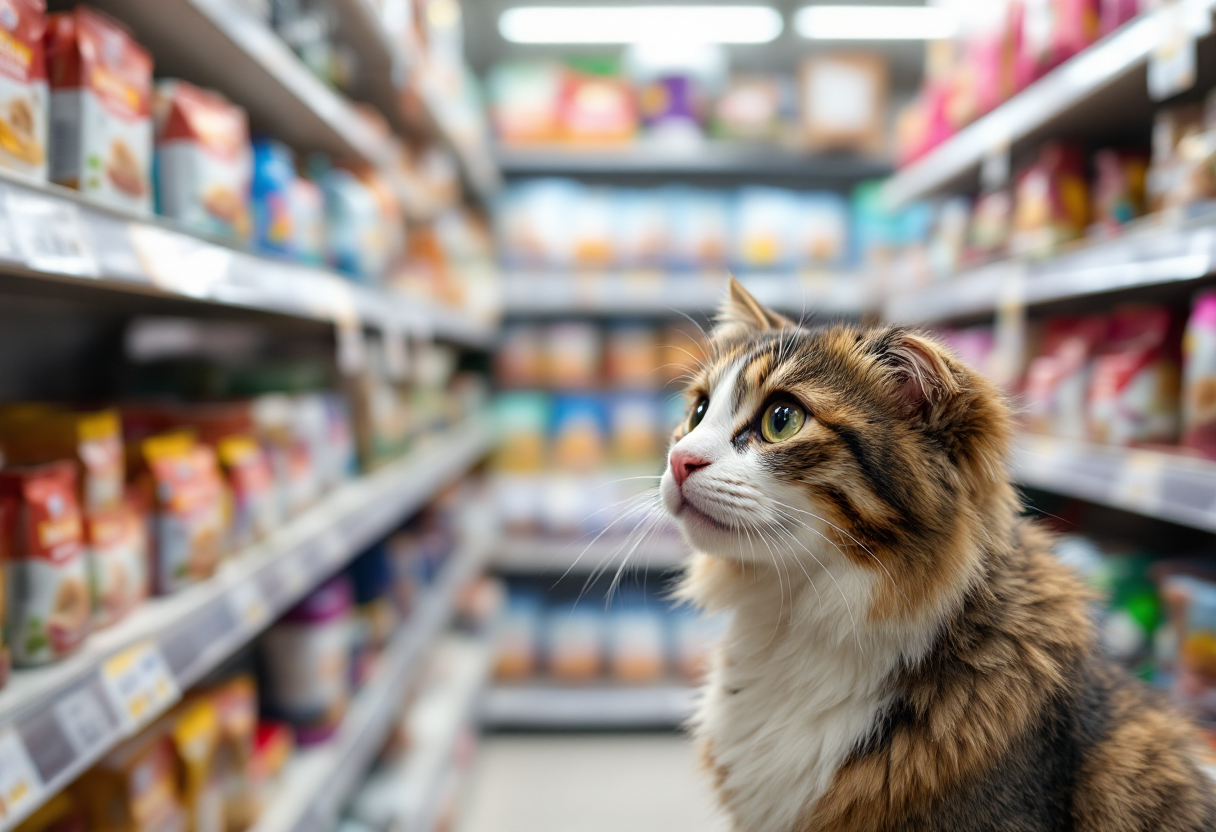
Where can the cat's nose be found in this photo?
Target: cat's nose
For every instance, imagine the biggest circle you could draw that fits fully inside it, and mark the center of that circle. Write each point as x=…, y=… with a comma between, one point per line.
x=684, y=463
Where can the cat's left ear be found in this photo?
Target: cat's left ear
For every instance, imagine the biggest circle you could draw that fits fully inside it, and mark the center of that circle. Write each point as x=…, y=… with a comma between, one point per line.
x=741, y=313
x=922, y=371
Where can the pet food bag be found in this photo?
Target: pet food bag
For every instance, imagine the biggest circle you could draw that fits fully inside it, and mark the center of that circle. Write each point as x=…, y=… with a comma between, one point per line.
x=23, y=89
x=1199, y=376
x=1134, y=392
x=42, y=548
x=101, y=109
x=1057, y=381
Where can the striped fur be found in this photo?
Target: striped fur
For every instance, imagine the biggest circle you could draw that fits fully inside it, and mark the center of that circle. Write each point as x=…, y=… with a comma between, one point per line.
x=905, y=652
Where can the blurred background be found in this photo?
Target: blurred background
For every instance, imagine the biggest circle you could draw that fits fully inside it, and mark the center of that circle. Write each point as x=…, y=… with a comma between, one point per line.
x=340, y=342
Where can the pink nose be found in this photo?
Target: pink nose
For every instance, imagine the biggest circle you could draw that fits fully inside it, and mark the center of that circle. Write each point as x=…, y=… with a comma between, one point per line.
x=684, y=463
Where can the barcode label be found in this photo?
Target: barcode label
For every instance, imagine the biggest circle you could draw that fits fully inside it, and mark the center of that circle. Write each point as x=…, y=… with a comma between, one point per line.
x=84, y=721
x=139, y=683
x=20, y=787
x=48, y=234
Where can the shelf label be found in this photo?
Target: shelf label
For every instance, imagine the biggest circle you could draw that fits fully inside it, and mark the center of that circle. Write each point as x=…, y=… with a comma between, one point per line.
x=248, y=605
x=139, y=683
x=1172, y=66
x=48, y=234
x=21, y=788
x=178, y=263
x=1138, y=485
x=84, y=721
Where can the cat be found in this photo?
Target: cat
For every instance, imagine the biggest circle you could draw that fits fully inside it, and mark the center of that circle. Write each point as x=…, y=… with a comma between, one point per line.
x=904, y=650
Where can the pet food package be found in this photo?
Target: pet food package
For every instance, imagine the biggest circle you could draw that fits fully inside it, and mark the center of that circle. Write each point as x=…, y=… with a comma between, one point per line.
x=357, y=242
x=1057, y=381
x=766, y=220
x=255, y=504
x=135, y=787
x=307, y=659
x=236, y=709
x=273, y=176
x=204, y=164
x=575, y=641
x=822, y=238
x=195, y=732
x=1191, y=603
x=1199, y=376
x=189, y=526
x=116, y=546
x=24, y=107
x=101, y=109
x=519, y=635
x=636, y=642
x=1135, y=389
x=32, y=434
x=1119, y=189
x=1051, y=206
x=698, y=227
x=844, y=102
x=42, y=546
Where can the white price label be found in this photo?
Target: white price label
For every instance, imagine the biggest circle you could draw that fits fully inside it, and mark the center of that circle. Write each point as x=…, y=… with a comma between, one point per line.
x=84, y=721
x=248, y=605
x=1173, y=64
x=1138, y=485
x=20, y=786
x=139, y=683
x=48, y=234
x=178, y=263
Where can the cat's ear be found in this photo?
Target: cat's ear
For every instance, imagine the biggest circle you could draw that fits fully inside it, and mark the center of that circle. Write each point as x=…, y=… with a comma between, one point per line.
x=741, y=313
x=922, y=371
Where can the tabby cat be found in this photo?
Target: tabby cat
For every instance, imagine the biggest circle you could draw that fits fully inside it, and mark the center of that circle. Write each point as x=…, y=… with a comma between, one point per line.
x=905, y=652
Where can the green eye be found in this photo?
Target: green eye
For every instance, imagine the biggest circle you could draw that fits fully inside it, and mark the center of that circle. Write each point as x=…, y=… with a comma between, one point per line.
x=781, y=421
x=698, y=413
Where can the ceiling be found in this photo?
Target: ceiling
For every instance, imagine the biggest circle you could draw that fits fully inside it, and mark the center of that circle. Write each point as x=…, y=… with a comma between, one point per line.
x=485, y=47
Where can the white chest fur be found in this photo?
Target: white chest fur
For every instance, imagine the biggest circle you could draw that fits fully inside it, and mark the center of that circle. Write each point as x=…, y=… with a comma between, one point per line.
x=795, y=688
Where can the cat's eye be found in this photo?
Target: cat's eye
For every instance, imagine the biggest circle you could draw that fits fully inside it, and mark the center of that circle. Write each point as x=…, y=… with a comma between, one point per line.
x=781, y=421
x=698, y=412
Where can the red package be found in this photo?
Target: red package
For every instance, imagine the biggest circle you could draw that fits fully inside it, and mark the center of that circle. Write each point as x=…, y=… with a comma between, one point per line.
x=42, y=548
x=1057, y=381
x=597, y=109
x=23, y=89
x=101, y=93
x=1134, y=395
x=1051, y=205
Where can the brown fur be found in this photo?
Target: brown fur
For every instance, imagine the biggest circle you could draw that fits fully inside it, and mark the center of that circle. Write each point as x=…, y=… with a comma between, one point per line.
x=907, y=453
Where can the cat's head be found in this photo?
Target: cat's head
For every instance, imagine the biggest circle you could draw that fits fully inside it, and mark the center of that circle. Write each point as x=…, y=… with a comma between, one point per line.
x=839, y=448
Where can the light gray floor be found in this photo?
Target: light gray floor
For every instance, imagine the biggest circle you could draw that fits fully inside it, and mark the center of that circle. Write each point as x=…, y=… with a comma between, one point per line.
x=600, y=783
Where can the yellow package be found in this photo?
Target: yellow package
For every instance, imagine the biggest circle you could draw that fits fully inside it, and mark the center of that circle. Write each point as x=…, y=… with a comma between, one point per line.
x=236, y=707
x=135, y=788
x=196, y=736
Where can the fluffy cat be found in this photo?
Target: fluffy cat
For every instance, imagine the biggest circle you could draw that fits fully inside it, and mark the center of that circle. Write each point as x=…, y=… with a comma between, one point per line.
x=905, y=652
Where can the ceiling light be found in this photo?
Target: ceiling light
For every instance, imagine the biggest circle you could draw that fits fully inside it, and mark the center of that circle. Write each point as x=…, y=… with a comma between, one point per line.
x=640, y=24
x=875, y=23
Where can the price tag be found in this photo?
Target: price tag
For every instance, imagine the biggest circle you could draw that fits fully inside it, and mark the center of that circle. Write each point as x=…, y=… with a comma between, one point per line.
x=178, y=263
x=139, y=683
x=21, y=788
x=1172, y=66
x=248, y=605
x=48, y=234
x=1138, y=485
x=84, y=721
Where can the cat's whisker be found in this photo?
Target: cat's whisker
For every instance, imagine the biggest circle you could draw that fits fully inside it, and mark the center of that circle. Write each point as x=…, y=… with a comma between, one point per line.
x=839, y=588
x=646, y=500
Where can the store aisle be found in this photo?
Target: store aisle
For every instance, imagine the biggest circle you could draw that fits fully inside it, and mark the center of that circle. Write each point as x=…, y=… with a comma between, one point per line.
x=643, y=783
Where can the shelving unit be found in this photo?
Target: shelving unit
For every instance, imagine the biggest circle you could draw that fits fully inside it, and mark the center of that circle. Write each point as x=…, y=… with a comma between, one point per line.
x=554, y=556
x=572, y=708
x=1092, y=93
x=408, y=795
x=1167, y=486
x=57, y=721
x=53, y=239
x=667, y=296
x=736, y=160
x=1168, y=253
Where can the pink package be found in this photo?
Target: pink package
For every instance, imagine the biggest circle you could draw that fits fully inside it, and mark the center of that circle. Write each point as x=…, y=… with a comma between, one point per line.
x=1114, y=13
x=1057, y=381
x=1135, y=389
x=1077, y=26
x=1199, y=376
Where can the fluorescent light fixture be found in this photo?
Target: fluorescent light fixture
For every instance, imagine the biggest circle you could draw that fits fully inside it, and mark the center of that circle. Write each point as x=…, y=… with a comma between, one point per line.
x=875, y=23
x=640, y=24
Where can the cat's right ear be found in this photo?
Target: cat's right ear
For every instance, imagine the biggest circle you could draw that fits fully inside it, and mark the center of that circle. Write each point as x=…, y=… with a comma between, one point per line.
x=922, y=372
x=741, y=313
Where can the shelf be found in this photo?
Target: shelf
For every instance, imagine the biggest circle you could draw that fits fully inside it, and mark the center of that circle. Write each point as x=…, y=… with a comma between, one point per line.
x=62, y=718
x=320, y=781
x=1155, y=484
x=1173, y=253
x=717, y=159
x=1086, y=94
x=571, y=708
x=55, y=236
x=556, y=555
x=652, y=294
x=408, y=795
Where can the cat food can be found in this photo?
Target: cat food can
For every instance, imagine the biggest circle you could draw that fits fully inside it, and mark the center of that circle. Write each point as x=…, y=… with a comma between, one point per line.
x=307, y=662
x=42, y=545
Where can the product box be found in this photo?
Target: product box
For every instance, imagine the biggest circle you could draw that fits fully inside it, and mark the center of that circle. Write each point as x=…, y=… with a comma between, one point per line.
x=273, y=175
x=844, y=102
x=42, y=549
x=23, y=89
x=204, y=164
x=101, y=109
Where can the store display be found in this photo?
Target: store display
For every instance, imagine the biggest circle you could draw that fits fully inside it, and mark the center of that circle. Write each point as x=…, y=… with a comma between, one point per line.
x=101, y=109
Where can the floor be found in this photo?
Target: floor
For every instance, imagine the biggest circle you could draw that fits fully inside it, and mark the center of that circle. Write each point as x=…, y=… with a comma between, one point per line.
x=597, y=783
